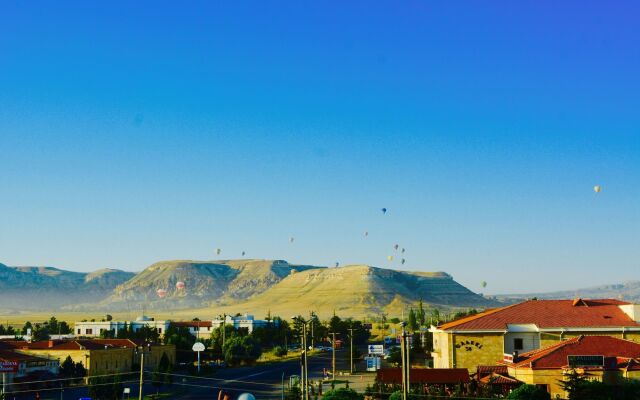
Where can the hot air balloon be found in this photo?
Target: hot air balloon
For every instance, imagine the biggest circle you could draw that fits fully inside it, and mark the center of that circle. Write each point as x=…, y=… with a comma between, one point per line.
x=597, y=188
x=366, y=233
x=395, y=247
x=218, y=251
x=161, y=293
x=390, y=258
x=291, y=239
x=402, y=262
x=483, y=284
x=243, y=253
x=403, y=250
x=337, y=264
x=384, y=210
x=180, y=285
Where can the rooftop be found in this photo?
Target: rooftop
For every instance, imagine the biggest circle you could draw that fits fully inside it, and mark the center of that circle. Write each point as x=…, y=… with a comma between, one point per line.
x=549, y=314
x=616, y=353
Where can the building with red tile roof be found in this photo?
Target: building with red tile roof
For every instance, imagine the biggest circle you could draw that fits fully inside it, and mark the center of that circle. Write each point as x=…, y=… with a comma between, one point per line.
x=28, y=368
x=98, y=356
x=482, y=338
x=603, y=358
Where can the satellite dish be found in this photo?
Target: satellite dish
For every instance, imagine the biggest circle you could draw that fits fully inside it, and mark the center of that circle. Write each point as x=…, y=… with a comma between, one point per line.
x=246, y=396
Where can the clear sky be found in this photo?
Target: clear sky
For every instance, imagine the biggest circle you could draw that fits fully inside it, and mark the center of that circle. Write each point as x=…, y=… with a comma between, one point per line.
x=132, y=132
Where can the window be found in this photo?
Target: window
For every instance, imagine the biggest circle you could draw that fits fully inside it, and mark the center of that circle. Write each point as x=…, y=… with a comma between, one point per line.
x=89, y=331
x=517, y=344
x=79, y=331
x=159, y=330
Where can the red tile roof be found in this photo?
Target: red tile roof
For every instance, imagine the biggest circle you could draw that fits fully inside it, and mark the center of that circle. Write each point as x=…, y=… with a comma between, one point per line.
x=498, y=379
x=555, y=356
x=549, y=314
x=491, y=369
x=8, y=355
x=422, y=375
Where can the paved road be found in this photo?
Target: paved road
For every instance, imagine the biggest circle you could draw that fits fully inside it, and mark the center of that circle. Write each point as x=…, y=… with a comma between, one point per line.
x=264, y=381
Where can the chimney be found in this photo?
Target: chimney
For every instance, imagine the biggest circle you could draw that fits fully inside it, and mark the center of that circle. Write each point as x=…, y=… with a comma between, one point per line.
x=632, y=311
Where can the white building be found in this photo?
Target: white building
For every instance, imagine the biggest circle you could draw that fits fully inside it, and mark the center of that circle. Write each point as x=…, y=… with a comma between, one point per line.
x=242, y=321
x=95, y=328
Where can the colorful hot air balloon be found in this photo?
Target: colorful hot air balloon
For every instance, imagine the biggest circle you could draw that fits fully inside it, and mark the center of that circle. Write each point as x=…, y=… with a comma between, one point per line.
x=597, y=188
x=384, y=210
x=483, y=284
x=243, y=253
x=403, y=250
x=291, y=239
x=161, y=293
x=337, y=264
x=395, y=247
x=390, y=258
x=218, y=251
x=366, y=233
x=402, y=262
x=180, y=285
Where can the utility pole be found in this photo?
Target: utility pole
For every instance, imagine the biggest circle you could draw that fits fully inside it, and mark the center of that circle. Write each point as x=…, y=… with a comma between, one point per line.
x=405, y=361
x=141, y=373
x=333, y=359
x=313, y=345
x=351, y=348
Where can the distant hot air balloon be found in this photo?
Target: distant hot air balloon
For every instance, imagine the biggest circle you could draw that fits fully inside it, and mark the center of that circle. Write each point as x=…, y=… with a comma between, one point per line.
x=243, y=253
x=597, y=188
x=366, y=233
x=161, y=293
x=337, y=264
x=403, y=249
x=180, y=285
x=395, y=247
x=483, y=284
x=402, y=262
x=390, y=258
x=384, y=210
x=218, y=251
x=291, y=239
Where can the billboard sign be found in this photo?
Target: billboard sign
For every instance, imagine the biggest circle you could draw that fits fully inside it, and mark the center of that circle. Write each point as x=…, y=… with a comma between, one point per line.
x=8, y=366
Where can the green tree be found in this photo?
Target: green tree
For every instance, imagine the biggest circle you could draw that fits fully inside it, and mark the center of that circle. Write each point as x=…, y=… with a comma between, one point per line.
x=241, y=350
x=342, y=394
x=421, y=314
x=39, y=333
x=412, y=323
x=26, y=327
x=529, y=392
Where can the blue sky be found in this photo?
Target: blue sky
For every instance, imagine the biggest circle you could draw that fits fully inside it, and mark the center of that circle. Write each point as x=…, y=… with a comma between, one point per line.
x=132, y=133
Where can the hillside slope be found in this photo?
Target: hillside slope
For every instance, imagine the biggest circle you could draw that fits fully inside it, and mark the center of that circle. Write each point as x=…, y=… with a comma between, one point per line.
x=33, y=288
x=206, y=283
x=359, y=290
x=629, y=291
